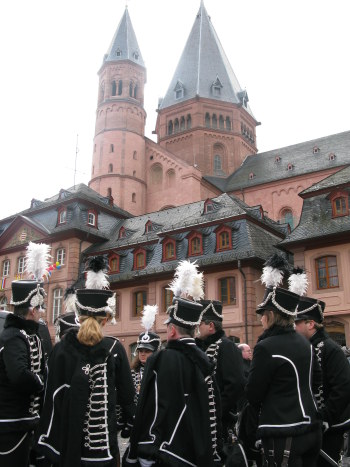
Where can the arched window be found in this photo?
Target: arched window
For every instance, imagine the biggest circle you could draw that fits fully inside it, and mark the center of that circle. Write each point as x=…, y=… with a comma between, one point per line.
x=111, y=148
x=221, y=123
x=92, y=218
x=113, y=264
x=170, y=127
x=148, y=227
x=217, y=163
x=208, y=206
x=214, y=121
x=227, y=290
x=135, y=91
x=228, y=124
x=139, y=259
x=327, y=272
x=207, y=120
x=61, y=256
x=169, y=250
x=287, y=217
x=195, y=244
x=223, y=239
x=139, y=301
x=3, y=303
x=122, y=232
x=110, y=168
x=340, y=203
x=156, y=174
x=167, y=299
x=57, y=303
x=189, y=122
x=182, y=123
x=62, y=216
x=176, y=125
x=114, y=88
x=130, y=89
x=170, y=177
x=120, y=87
x=134, y=155
x=133, y=198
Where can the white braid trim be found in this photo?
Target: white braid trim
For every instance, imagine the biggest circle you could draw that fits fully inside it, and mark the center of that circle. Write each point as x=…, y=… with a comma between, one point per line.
x=211, y=305
x=180, y=320
x=312, y=307
x=37, y=299
x=106, y=309
x=272, y=295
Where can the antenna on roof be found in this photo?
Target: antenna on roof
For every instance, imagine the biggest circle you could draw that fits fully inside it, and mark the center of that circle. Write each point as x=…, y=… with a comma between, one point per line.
x=76, y=156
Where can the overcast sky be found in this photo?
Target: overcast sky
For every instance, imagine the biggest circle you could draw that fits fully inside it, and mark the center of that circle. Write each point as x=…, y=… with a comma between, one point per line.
x=291, y=56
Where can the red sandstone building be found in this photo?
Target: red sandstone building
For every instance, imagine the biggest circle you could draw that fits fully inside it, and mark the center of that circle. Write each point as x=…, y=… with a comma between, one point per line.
x=201, y=192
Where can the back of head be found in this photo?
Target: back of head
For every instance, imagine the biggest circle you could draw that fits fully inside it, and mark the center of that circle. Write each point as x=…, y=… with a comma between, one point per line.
x=90, y=332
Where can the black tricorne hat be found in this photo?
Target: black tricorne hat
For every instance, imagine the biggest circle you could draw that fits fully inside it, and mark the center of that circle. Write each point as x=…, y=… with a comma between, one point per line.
x=310, y=308
x=27, y=294
x=212, y=310
x=94, y=302
x=148, y=340
x=280, y=300
x=184, y=313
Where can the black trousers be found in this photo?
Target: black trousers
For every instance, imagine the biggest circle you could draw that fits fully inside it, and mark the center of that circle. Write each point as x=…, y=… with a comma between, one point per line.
x=304, y=449
x=332, y=444
x=15, y=449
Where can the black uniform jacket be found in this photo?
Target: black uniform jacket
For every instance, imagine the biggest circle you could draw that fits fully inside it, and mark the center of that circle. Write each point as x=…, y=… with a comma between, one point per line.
x=78, y=425
x=18, y=383
x=335, y=398
x=172, y=420
x=280, y=383
x=228, y=369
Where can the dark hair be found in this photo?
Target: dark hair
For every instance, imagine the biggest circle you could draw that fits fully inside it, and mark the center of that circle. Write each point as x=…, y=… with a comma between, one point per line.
x=273, y=317
x=184, y=331
x=20, y=311
x=217, y=324
x=136, y=363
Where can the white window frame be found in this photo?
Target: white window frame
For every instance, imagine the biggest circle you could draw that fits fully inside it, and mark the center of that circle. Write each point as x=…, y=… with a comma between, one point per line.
x=92, y=219
x=57, y=303
x=21, y=264
x=61, y=256
x=62, y=216
x=6, y=268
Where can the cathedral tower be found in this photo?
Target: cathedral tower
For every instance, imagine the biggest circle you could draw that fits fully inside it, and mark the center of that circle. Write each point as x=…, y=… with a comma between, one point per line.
x=118, y=163
x=204, y=118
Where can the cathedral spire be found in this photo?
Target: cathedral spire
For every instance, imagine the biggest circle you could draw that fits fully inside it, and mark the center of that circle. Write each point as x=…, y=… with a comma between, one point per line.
x=124, y=44
x=203, y=69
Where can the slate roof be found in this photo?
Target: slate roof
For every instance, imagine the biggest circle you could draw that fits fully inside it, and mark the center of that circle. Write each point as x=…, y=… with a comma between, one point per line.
x=203, y=62
x=273, y=165
x=316, y=221
x=124, y=45
x=78, y=200
x=252, y=236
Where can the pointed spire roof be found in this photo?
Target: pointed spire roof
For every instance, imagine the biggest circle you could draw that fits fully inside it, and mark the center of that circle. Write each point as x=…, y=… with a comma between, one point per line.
x=204, y=69
x=124, y=44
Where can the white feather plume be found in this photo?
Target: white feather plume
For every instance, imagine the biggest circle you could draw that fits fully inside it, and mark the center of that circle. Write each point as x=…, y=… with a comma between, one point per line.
x=97, y=280
x=271, y=277
x=148, y=316
x=298, y=283
x=37, y=260
x=187, y=281
x=70, y=303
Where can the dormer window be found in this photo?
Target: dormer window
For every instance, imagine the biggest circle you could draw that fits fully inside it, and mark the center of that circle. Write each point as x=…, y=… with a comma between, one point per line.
x=136, y=55
x=169, y=250
x=118, y=53
x=290, y=166
x=340, y=204
x=195, y=245
x=92, y=218
x=62, y=216
x=331, y=156
x=223, y=238
x=316, y=150
x=139, y=259
x=113, y=264
x=216, y=87
x=251, y=176
x=122, y=232
x=148, y=227
x=277, y=159
x=179, y=90
x=208, y=206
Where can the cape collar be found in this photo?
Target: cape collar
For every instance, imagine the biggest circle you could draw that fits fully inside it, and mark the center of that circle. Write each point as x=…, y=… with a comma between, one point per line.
x=28, y=325
x=276, y=331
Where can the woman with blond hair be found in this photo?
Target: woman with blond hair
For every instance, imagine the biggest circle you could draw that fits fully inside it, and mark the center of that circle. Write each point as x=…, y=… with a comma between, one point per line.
x=86, y=372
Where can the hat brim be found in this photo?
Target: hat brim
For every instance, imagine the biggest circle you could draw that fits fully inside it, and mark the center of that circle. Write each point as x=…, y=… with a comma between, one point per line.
x=145, y=346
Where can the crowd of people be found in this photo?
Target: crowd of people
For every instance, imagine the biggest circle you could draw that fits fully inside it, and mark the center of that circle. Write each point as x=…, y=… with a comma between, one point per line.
x=184, y=403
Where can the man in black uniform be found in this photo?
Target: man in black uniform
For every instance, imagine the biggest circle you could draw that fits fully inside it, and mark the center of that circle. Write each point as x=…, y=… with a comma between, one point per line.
x=22, y=364
x=334, y=394
x=226, y=358
x=177, y=419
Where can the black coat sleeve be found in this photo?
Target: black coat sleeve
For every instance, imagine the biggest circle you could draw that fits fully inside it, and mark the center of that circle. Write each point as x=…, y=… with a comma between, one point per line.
x=16, y=360
x=230, y=376
x=260, y=377
x=124, y=384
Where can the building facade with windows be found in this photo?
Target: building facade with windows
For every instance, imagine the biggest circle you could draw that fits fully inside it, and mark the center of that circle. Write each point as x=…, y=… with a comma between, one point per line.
x=202, y=192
